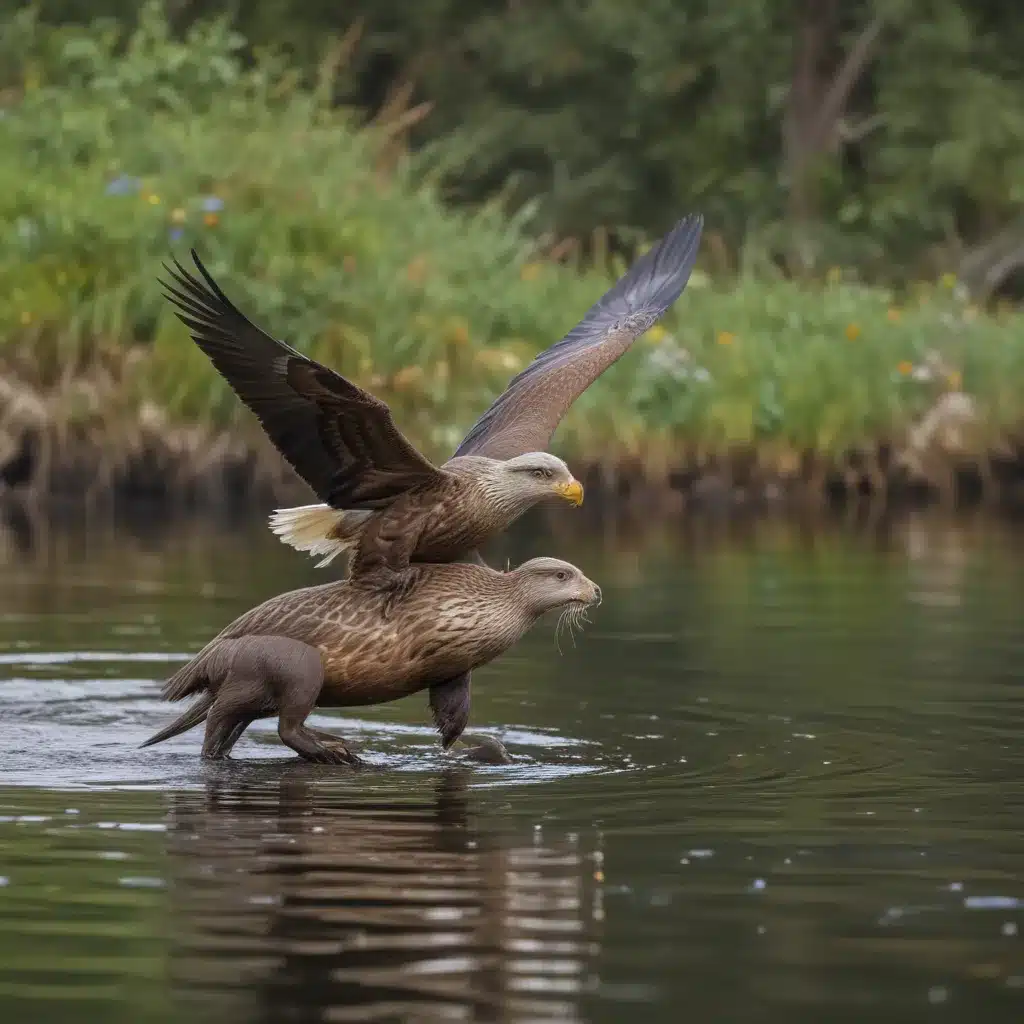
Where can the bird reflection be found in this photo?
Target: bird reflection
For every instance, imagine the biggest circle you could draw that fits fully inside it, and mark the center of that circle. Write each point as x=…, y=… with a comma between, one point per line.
x=300, y=898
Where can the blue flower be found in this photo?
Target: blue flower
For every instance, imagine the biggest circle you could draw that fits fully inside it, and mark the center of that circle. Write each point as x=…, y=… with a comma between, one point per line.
x=175, y=234
x=211, y=204
x=123, y=185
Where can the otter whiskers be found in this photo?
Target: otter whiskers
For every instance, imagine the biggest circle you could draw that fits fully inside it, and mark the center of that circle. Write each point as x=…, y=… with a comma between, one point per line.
x=573, y=616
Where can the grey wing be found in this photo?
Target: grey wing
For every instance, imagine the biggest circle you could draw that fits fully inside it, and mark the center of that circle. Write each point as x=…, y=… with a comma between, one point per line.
x=339, y=438
x=526, y=414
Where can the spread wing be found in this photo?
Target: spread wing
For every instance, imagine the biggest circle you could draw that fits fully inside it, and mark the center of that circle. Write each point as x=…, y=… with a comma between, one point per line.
x=525, y=415
x=339, y=438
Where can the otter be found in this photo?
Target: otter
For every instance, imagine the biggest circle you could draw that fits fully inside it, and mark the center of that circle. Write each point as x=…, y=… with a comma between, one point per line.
x=351, y=642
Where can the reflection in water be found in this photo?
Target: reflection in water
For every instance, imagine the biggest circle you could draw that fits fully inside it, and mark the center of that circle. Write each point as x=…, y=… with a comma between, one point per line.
x=292, y=903
x=801, y=745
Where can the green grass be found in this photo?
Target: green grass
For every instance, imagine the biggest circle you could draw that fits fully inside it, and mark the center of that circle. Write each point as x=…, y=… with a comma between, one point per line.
x=112, y=156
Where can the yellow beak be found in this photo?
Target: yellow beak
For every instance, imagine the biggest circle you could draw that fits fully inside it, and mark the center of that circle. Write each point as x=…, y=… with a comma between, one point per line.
x=572, y=492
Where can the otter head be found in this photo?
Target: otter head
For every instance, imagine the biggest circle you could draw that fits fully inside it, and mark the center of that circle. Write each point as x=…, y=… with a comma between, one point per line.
x=535, y=477
x=550, y=583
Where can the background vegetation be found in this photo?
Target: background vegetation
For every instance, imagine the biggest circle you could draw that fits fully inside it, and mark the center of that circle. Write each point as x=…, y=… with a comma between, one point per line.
x=885, y=134
x=121, y=142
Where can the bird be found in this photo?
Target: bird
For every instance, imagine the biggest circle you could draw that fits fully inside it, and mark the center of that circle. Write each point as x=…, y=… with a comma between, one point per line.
x=331, y=646
x=344, y=443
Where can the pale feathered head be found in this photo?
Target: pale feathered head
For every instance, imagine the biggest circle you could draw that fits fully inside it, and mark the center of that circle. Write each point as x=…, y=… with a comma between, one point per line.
x=534, y=477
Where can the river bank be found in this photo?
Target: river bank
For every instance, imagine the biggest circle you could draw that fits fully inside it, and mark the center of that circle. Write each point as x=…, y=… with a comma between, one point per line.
x=185, y=470
x=753, y=389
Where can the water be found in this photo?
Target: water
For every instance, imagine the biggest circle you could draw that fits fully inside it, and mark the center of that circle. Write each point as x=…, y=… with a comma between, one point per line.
x=779, y=778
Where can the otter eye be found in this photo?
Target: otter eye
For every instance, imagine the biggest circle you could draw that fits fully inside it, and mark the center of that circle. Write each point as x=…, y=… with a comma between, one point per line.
x=561, y=575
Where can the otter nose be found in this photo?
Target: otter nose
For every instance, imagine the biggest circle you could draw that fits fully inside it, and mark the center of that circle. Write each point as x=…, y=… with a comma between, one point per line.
x=597, y=594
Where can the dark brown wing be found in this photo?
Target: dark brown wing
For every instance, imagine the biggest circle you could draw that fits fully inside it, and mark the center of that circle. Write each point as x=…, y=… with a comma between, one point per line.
x=339, y=438
x=525, y=415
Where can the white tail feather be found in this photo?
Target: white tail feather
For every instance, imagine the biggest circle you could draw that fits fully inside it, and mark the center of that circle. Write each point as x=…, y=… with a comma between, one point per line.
x=313, y=528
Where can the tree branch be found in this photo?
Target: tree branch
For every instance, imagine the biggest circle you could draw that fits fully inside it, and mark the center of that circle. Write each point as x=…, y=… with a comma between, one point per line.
x=843, y=81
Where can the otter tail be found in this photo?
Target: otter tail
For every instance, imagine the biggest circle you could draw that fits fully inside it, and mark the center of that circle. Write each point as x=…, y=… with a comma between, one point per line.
x=195, y=714
x=207, y=667
x=319, y=529
x=193, y=676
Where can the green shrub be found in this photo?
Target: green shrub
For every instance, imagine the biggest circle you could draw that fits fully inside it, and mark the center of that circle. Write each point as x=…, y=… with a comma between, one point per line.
x=116, y=152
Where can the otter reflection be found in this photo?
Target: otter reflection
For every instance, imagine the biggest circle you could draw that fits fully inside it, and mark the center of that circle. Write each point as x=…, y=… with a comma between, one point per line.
x=299, y=897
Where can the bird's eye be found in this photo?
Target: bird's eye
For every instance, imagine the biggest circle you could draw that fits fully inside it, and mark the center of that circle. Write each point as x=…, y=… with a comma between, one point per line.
x=561, y=575
x=539, y=474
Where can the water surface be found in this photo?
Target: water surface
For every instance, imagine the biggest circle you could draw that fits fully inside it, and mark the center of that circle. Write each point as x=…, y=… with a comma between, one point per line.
x=779, y=778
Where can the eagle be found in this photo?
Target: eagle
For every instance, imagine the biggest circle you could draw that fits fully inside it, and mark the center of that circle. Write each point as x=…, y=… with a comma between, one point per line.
x=371, y=481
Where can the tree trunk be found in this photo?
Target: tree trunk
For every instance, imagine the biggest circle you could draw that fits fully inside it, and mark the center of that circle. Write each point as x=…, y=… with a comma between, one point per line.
x=819, y=92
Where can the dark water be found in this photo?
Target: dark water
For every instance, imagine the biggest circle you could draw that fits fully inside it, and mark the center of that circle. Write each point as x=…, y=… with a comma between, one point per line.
x=779, y=778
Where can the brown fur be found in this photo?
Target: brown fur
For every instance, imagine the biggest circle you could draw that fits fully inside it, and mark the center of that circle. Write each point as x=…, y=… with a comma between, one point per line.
x=351, y=643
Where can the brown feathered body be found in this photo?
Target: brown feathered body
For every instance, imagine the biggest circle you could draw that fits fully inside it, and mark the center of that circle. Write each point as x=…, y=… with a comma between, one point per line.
x=451, y=619
x=441, y=521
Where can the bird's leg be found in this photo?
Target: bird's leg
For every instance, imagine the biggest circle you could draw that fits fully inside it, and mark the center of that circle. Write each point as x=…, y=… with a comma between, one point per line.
x=397, y=586
x=449, y=705
x=384, y=553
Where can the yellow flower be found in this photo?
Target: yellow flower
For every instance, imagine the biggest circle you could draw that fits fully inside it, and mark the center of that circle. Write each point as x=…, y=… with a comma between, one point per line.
x=26, y=317
x=406, y=377
x=458, y=333
x=416, y=271
x=657, y=334
x=893, y=316
x=948, y=281
x=152, y=199
x=905, y=368
x=725, y=337
x=178, y=216
x=955, y=380
x=852, y=332
x=530, y=271
x=834, y=275
x=211, y=220
x=497, y=359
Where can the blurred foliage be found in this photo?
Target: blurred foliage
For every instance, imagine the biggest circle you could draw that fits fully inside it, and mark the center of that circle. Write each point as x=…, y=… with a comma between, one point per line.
x=611, y=114
x=116, y=151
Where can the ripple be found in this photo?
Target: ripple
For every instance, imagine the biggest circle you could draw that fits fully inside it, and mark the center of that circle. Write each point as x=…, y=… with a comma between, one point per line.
x=71, y=657
x=97, y=724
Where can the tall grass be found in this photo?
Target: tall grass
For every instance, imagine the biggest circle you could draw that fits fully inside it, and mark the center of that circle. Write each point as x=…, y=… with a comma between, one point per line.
x=116, y=152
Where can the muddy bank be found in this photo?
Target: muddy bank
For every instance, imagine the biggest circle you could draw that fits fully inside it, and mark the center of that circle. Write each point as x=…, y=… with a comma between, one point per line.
x=195, y=470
